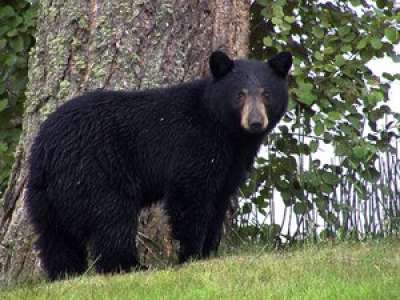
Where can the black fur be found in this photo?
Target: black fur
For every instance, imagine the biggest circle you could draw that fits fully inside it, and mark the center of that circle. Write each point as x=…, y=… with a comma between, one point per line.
x=281, y=63
x=220, y=64
x=101, y=157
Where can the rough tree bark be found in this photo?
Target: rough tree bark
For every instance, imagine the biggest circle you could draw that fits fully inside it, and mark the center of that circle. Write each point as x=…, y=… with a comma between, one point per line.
x=85, y=45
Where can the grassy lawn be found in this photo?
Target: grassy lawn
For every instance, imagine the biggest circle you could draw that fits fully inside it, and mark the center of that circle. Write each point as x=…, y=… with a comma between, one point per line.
x=343, y=271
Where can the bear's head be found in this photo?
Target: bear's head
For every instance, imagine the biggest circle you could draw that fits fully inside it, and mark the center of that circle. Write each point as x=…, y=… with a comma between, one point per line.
x=248, y=96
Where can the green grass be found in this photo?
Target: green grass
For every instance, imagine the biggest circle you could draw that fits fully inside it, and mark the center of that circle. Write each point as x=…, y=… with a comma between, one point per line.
x=343, y=271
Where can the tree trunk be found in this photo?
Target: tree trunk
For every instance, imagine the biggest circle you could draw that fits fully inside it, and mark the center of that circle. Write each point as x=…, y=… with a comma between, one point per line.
x=125, y=44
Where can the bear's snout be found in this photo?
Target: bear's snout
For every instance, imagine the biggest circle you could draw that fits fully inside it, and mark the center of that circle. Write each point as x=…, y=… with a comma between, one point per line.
x=254, y=114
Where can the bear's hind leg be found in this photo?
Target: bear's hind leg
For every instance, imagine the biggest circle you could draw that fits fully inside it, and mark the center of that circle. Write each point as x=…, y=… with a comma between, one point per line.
x=189, y=221
x=113, y=248
x=61, y=256
x=112, y=244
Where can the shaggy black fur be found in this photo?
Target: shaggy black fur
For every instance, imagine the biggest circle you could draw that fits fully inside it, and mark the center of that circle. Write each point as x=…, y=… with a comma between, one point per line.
x=101, y=157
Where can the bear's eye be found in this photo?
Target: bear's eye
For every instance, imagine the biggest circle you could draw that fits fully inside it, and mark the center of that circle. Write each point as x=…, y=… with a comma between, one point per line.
x=241, y=98
x=265, y=94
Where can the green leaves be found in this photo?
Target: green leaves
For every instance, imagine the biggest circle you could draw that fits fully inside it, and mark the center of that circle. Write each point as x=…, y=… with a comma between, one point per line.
x=362, y=44
x=344, y=30
x=267, y=41
x=319, y=128
x=262, y=2
x=289, y=19
x=376, y=43
x=304, y=92
x=330, y=178
x=336, y=102
x=318, y=32
x=3, y=104
x=360, y=152
x=392, y=34
x=334, y=116
x=6, y=11
x=277, y=11
x=381, y=3
x=301, y=208
x=17, y=43
x=16, y=37
x=375, y=97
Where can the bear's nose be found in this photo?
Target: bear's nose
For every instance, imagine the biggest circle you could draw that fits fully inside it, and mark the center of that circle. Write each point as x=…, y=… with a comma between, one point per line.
x=255, y=126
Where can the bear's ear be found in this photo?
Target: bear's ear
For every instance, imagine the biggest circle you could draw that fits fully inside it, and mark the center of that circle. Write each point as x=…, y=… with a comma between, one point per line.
x=281, y=63
x=220, y=64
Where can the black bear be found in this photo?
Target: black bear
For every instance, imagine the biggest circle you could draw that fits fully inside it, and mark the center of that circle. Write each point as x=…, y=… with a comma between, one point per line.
x=101, y=157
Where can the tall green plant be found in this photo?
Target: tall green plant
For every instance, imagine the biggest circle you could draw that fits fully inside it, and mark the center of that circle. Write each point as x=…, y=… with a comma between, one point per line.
x=17, y=24
x=336, y=101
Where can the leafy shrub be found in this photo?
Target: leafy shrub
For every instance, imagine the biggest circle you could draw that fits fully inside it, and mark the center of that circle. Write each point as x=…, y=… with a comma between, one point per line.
x=17, y=25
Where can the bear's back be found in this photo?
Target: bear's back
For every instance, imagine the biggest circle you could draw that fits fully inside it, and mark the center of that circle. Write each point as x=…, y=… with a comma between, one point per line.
x=116, y=134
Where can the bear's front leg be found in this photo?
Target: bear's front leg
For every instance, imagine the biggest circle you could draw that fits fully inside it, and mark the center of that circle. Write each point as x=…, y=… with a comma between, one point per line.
x=215, y=224
x=189, y=219
x=214, y=229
